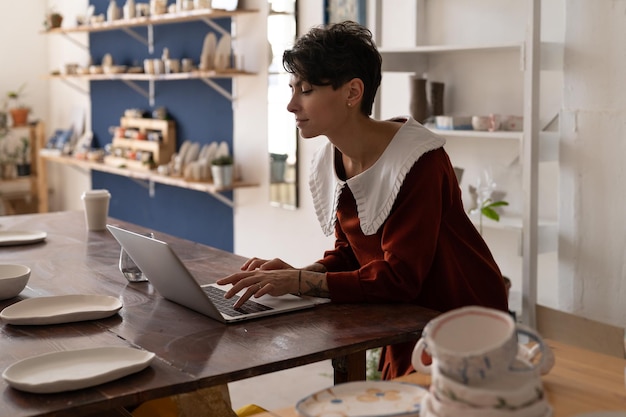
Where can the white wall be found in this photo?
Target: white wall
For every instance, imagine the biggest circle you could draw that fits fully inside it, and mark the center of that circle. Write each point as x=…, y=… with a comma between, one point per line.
x=592, y=246
x=593, y=240
x=24, y=55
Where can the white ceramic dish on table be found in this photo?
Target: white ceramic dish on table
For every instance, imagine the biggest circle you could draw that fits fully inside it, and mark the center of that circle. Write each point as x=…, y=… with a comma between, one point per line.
x=13, y=280
x=364, y=399
x=21, y=237
x=75, y=369
x=60, y=309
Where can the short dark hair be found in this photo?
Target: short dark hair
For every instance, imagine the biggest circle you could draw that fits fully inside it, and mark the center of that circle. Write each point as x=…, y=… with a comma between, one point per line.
x=335, y=54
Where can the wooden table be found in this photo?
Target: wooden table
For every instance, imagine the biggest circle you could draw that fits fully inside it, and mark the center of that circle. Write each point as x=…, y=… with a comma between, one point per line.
x=192, y=351
x=580, y=382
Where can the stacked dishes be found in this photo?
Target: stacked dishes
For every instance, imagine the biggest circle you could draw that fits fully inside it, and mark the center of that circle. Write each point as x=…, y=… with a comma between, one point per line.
x=479, y=368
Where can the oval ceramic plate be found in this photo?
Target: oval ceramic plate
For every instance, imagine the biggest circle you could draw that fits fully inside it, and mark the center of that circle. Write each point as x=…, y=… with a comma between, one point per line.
x=21, y=237
x=222, y=53
x=75, y=369
x=61, y=309
x=364, y=399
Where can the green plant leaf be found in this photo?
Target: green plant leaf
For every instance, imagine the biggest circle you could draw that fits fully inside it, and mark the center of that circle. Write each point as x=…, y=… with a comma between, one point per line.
x=497, y=204
x=490, y=213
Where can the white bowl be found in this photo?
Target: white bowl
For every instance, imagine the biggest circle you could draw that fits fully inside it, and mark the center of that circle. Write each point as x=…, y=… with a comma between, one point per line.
x=13, y=279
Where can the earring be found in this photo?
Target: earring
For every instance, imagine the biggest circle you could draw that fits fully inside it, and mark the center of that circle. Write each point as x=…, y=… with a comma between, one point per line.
x=349, y=104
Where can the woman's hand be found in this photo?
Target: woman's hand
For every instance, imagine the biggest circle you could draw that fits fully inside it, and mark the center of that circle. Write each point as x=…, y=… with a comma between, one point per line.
x=258, y=282
x=264, y=264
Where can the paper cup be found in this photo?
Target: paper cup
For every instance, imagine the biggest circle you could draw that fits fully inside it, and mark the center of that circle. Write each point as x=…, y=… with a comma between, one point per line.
x=96, y=203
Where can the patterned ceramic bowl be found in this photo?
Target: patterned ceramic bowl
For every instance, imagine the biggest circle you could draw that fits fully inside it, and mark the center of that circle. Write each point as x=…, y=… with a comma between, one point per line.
x=364, y=399
x=433, y=407
x=510, y=392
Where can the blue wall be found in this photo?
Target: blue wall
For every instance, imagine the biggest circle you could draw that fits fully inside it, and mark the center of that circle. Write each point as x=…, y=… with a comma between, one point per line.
x=201, y=115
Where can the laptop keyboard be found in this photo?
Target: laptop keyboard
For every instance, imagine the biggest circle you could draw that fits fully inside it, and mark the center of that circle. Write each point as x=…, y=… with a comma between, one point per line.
x=226, y=305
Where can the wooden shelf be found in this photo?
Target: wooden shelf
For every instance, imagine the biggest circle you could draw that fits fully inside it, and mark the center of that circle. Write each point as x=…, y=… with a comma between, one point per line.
x=167, y=18
x=193, y=75
x=27, y=194
x=151, y=177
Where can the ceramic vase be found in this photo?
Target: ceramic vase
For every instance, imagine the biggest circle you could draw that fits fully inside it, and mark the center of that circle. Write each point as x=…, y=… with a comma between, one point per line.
x=419, y=101
x=113, y=11
x=436, y=98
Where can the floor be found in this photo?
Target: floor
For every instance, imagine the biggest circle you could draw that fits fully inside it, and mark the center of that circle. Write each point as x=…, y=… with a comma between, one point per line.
x=281, y=389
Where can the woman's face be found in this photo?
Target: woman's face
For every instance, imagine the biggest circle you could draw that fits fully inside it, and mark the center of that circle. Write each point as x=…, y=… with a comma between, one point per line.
x=319, y=110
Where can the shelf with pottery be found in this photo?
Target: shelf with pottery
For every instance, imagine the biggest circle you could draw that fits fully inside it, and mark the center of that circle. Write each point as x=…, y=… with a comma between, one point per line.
x=126, y=25
x=151, y=177
x=129, y=78
x=162, y=19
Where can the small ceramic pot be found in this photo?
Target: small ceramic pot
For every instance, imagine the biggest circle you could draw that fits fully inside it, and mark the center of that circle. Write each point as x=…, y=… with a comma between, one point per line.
x=481, y=123
x=513, y=123
x=474, y=344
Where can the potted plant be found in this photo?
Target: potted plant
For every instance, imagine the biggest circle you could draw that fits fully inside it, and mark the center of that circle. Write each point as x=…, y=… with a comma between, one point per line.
x=488, y=209
x=53, y=20
x=19, y=112
x=23, y=162
x=222, y=171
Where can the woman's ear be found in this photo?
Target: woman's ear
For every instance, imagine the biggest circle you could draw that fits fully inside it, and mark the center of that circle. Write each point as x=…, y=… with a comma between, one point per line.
x=354, y=91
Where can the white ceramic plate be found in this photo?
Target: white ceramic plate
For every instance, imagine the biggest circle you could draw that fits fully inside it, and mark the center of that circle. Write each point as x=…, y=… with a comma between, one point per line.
x=207, y=58
x=222, y=150
x=364, y=399
x=21, y=237
x=75, y=369
x=61, y=309
x=222, y=53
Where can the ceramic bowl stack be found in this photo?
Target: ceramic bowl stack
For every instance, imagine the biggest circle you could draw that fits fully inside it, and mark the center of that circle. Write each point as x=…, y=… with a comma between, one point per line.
x=479, y=368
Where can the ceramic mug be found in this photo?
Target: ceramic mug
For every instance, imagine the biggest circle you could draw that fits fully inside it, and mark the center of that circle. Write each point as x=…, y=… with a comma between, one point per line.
x=474, y=344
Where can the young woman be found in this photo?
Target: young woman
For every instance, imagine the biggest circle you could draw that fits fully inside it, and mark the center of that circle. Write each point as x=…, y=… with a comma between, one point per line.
x=386, y=189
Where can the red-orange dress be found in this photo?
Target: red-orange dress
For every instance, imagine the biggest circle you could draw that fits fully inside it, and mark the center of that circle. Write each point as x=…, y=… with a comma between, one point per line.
x=425, y=251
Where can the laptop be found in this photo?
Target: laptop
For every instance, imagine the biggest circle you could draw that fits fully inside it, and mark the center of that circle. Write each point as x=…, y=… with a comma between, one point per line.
x=167, y=273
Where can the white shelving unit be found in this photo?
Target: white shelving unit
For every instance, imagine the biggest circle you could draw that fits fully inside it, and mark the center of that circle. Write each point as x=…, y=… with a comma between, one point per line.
x=534, y=235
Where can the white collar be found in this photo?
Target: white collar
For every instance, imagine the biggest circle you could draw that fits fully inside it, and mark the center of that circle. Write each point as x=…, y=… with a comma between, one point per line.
x=384, y=178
